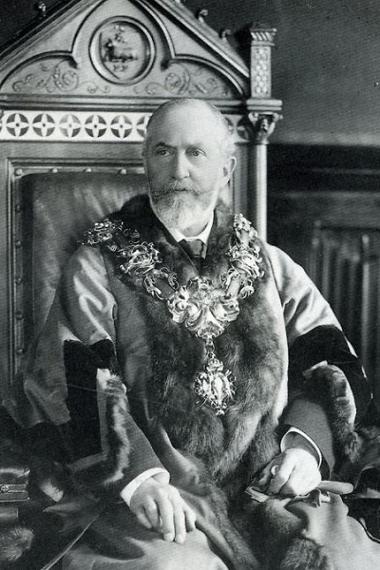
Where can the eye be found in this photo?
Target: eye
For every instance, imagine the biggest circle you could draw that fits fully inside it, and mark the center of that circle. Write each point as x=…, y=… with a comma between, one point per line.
x=161, y=151
x=195, y=152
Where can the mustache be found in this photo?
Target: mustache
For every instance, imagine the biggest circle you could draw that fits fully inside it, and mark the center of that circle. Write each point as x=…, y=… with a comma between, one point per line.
x=174, y=187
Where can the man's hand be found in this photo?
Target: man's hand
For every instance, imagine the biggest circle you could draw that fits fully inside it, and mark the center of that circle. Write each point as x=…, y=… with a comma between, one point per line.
x=294, y=472
x=159, y=506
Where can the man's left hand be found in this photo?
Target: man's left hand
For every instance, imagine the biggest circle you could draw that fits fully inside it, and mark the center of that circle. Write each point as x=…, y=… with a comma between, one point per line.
x=294, y=472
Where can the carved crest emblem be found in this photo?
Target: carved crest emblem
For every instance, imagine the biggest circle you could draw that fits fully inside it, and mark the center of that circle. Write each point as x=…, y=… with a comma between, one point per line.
x=122, y=50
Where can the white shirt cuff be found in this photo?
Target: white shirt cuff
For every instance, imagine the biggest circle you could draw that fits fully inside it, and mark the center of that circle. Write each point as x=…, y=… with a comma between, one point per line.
x=127, y=492
x=283, y=443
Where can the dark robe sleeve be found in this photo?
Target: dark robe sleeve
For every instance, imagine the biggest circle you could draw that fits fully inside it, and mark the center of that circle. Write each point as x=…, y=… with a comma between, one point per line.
x=314, y=335
x=77, y=400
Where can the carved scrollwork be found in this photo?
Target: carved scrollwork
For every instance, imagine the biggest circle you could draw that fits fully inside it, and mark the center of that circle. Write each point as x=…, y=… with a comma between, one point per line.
x=187, y=80
x=50, y=78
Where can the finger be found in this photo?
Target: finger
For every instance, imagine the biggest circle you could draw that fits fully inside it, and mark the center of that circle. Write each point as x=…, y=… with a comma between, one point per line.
x=151, y=512
x=143, y=519
x=179, y=519
x=165, y=509
x=190, y=518
x=281, y=475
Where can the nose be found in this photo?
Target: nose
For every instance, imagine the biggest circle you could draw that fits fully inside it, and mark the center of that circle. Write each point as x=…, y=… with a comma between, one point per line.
x=180, y=166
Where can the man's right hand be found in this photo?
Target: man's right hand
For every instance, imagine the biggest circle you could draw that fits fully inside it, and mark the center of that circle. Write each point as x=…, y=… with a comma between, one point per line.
x=159, y=506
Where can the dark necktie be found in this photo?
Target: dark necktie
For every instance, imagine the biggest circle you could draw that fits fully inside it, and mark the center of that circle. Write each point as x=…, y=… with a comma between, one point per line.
x=194, y=248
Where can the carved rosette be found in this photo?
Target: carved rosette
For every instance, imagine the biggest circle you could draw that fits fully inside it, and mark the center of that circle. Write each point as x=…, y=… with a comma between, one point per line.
x=261, y=45
x=87, y=126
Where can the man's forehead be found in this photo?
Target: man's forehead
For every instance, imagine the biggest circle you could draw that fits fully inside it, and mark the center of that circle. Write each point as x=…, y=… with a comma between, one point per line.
x=197, y=124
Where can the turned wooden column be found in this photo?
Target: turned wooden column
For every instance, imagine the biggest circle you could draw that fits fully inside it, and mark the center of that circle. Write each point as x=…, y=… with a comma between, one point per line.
x=262, y=114
x=263, y=125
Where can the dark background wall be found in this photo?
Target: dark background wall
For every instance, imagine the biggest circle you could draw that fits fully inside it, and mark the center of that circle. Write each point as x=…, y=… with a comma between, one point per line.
x=326, y=61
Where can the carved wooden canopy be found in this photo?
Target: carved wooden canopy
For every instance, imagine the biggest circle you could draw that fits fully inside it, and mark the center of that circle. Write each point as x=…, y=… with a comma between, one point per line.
x=77, y=76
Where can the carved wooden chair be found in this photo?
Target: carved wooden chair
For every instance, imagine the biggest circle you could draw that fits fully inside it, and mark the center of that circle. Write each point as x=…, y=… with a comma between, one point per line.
x=75, y=98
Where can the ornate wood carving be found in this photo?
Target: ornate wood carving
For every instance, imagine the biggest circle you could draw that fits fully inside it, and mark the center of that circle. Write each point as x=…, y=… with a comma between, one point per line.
x=126, y=50
x=262, y=40
x=87, y=126
x=263, y=125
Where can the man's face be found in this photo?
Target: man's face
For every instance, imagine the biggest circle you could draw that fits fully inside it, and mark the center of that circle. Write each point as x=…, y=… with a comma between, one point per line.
x=186, y=165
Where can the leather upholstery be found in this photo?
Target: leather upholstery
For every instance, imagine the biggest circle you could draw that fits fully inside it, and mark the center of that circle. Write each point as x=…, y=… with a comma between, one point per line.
x=63, y=205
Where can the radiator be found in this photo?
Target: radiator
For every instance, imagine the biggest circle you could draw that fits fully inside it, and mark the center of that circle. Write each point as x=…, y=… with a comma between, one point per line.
x=345, y=265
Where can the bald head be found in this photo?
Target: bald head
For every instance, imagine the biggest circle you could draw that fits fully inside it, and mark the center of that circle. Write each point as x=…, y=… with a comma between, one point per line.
x=195, y=107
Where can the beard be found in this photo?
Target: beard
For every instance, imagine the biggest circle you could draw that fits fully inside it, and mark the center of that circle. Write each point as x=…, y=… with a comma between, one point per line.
x=180, y=204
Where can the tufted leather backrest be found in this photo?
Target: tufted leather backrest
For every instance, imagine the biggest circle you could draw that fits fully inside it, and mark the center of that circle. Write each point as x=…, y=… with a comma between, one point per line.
x=57, y=209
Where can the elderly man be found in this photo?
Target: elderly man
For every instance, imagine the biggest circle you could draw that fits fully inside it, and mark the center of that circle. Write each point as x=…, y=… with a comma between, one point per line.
x=179, y=301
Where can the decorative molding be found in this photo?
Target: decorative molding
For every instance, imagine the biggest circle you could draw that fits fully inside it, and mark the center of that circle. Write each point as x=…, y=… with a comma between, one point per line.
x=85, y=126
x=263, y=125
x=186, y=80
x=61, y=76
x=122, y=50
x=262, y=40
x=262, y=35
x=202, y=15
x=75, y=126
x=225, y=33
x=116, y=45
x=56, y=77
x=261, y=71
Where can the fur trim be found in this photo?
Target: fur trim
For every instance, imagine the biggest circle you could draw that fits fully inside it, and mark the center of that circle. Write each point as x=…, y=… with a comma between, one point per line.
x=327, y=343
x=14, y=542
x=275, y=535
x=110, y=471
x=327, y=385
x=89, y=370
x=305, y=554
x=362, y=449
x=253, y=348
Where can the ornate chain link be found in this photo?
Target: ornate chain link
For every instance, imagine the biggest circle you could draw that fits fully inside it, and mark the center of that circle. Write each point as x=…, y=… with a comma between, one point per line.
x=203, y=307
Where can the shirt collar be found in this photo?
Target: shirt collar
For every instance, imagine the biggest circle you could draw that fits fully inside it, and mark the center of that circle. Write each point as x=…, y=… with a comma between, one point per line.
x=203, y=235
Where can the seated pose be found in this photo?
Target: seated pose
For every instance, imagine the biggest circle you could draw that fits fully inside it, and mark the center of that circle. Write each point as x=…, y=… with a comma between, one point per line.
x=184, y=360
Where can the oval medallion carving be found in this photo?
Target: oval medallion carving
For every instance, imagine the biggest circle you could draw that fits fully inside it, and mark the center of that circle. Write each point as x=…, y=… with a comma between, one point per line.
x=122, y=50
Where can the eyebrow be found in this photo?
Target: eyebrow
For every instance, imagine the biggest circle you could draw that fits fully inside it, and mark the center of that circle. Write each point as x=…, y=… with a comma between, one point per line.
x=161, y=143
x=192, y=145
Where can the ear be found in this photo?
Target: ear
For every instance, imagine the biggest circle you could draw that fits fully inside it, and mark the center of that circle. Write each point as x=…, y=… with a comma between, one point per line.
x=229, y=167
